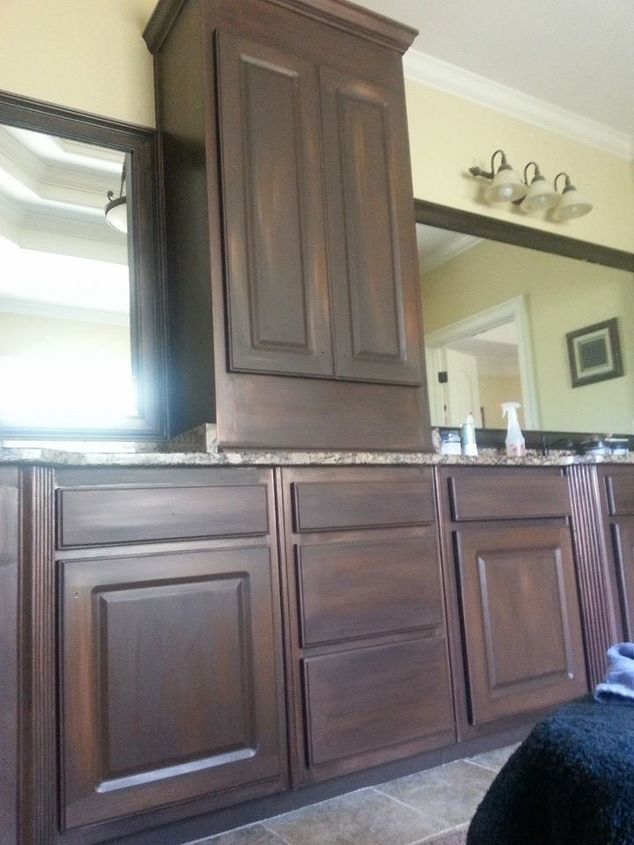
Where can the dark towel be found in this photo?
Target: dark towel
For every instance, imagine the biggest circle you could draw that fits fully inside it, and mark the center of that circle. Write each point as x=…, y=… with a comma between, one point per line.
x=571, y=782
x=619, y=682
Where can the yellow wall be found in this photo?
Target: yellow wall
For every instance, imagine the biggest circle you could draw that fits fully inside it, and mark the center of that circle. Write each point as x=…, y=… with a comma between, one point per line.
x=562, y=295
x=85, y=54
x=493, y=391
x=449, y=134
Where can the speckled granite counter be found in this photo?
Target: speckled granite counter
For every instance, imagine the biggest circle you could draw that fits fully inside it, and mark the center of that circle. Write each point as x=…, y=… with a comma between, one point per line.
x=199, y=448
x=60, y=457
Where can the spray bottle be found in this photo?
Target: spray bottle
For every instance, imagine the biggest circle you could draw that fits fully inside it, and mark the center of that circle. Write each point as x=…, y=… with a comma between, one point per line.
x=515, y=443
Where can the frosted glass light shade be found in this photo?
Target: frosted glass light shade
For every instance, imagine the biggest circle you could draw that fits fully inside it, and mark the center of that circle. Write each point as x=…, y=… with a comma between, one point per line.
x=117, y=214
x=506, y=186
x=571, y=205
x=540, y=196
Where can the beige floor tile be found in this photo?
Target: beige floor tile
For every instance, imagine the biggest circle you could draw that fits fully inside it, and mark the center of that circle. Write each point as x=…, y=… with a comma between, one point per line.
x=448, y=793
x=494, y=759
x=254, y=835
x=366, y=817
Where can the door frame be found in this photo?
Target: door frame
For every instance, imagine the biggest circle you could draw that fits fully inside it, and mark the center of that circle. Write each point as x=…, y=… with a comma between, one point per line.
x=512, y=310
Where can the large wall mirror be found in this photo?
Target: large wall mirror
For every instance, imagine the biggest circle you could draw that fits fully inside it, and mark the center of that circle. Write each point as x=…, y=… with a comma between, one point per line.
x=80, y=300
x=515, y=314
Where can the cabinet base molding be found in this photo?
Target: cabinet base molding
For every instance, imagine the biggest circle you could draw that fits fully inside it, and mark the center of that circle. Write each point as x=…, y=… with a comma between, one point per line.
x=190, y=830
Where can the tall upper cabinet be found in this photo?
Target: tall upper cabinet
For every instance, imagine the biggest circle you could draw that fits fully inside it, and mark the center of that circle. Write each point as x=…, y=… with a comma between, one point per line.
x=291, y=254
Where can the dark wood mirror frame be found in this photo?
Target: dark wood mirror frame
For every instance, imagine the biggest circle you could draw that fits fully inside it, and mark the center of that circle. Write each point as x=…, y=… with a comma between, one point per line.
x=147, y=310
x=445, y=217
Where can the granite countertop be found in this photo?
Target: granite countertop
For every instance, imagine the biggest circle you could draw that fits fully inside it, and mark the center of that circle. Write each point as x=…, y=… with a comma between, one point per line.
x=198, y=448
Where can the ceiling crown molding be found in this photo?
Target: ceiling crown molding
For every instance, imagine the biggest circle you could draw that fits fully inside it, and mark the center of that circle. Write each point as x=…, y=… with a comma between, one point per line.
x=421, y=67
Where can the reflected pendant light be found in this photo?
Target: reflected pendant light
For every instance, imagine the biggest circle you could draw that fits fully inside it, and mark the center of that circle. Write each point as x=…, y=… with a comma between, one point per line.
x=116, y=210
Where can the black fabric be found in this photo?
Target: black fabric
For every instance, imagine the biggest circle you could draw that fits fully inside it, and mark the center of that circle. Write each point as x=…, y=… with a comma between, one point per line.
x=571, y=782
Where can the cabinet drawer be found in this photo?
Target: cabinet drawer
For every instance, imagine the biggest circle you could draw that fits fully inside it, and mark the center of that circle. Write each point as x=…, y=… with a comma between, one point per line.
x=508, y=494
x=358, y=701
x=335, y=505
x=351, y=590
x=620, y=487
x=90, y=517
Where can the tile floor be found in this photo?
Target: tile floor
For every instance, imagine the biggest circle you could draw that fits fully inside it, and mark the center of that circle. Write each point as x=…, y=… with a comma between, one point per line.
x=408, y=811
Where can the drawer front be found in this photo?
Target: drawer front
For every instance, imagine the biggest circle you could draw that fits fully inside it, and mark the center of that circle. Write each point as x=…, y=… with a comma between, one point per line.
x=508, y=494
x=101, y=516
x=366, y=699
x=352, y=590
x=620, y=488
x=336, y=505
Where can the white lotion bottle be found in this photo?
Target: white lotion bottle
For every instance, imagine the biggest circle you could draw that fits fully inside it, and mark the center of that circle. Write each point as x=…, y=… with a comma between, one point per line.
x=515, y=443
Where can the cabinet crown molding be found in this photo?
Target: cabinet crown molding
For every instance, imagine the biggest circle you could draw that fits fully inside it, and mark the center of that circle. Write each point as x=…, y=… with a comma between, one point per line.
x=337, y=13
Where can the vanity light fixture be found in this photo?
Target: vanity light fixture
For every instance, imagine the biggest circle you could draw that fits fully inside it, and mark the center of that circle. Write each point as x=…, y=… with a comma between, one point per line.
x=570, y=205
x=506, y=185
x=540, y=196
x=116, y=210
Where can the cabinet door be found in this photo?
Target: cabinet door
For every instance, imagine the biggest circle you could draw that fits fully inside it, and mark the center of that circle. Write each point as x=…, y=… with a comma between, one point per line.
x=277, y=286
x=169, y=679
x=623, y=534
x=373, y=261
x=523, y=639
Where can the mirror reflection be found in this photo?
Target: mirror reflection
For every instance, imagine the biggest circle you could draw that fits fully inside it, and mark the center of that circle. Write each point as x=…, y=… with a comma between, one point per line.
x=507, y=323
x=65, y=349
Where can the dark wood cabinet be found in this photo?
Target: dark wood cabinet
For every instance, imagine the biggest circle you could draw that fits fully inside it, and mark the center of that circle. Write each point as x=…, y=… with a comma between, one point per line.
x=513, y=587
x=169, y=685
x=375, y=304
x=274, y=215
x=285, y=147
x=155, y=680
x=522, y=630
x=617, y=506
x=623, y=538
x=160, y=666
x=368, y=675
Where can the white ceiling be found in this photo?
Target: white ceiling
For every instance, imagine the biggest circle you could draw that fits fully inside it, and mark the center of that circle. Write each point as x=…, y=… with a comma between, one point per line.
x=575, y=54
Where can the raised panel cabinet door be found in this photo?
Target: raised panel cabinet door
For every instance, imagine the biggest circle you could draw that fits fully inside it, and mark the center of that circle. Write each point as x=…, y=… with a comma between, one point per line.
x=522, y=630
x=276, y=282
x=623, y=535
x=169, y=680
x=373, y=262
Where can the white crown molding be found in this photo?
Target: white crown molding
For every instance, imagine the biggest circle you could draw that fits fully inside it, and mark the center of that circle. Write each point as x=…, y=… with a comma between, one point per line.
x=421, y=67
x=431, y=259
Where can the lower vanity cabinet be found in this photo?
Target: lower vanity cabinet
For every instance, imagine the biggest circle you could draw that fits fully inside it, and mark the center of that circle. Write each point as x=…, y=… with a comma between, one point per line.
x=367, y=663
x=617, y=499
x=170, y=661
x=512, y=593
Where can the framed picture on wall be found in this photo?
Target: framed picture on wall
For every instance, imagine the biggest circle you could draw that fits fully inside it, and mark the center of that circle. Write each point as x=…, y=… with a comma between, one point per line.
x=595, y=353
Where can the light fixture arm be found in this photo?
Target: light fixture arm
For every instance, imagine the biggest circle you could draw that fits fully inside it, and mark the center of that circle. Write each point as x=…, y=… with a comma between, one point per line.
x=567, y=184
x=110, y=194
x=537, y=174
x=477, y=171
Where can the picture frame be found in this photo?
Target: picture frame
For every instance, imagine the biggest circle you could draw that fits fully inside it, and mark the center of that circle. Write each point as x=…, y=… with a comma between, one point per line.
x=594, y=353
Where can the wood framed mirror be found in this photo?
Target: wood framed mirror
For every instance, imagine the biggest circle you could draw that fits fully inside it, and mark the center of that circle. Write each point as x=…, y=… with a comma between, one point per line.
x=81, y=303
x=499, y=300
